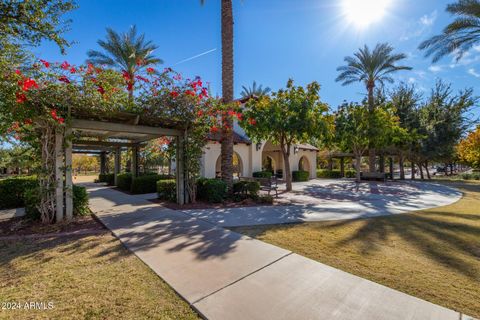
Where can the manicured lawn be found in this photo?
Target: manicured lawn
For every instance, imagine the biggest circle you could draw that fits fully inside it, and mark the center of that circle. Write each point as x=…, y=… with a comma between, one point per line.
x=91, y=277
x=432, y=254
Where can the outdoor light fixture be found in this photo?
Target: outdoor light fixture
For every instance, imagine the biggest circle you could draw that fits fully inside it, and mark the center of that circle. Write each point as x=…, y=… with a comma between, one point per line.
x=295, y=150
x=258, y=146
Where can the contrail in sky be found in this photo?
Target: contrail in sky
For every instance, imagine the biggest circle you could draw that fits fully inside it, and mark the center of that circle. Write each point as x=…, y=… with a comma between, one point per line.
x=196, y=56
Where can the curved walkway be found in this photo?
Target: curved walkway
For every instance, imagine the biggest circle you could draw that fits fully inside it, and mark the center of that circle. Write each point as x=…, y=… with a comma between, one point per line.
x=321, y=200
x=225, y=275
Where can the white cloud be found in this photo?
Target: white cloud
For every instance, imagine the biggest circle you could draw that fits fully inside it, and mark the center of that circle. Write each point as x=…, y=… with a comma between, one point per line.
x=435, y=68
x=474, y=73
x=429, y=19
x=412, y=80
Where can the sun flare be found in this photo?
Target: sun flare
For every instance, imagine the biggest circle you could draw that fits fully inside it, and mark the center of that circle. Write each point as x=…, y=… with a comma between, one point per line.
x=363, y=13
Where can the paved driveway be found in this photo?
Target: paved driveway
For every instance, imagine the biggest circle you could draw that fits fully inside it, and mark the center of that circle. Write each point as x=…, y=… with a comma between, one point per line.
x=321, y=200
x=225, y=275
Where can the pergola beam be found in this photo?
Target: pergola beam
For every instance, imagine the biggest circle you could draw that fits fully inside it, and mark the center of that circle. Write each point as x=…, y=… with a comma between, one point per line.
x=83, y=143
x=91, y=125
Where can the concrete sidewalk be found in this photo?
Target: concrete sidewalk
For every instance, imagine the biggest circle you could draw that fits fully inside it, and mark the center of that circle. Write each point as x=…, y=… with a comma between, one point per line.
x=225, y=275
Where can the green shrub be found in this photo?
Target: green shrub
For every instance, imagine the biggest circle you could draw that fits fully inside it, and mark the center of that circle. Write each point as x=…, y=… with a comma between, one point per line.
x=466, y=176
x=80, y=202
x=251, y=188
x=108, y=178
x=12, y=191
x=299, y=176
x=334, y=174
x=167, y=190
x=267, y=199
x=262, y=174
x=211, y=190
x=124, y=181
x=145, y=184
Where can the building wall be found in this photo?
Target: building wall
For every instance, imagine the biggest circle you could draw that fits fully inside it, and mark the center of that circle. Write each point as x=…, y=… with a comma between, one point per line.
x=252, y=159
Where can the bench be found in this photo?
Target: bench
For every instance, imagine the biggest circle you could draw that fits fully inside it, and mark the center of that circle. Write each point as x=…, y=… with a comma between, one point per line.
x=266, y=184
x=374, y=176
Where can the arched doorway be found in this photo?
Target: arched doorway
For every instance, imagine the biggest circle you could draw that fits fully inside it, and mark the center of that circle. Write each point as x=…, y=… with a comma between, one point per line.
x=304, y=164
x=237, y=166
x=268, y=164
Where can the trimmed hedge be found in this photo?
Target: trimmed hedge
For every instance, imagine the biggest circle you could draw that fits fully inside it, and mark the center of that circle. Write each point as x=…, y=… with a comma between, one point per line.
x=262, y=174
x=12, y=191
x=211, y=190
x=167, y=189
x=147, y=183
x=300, y=176
x=334, y=174
x=108, y=178
x=251, y=188
x=470, y=176
x=124, y=181
x=80, y=202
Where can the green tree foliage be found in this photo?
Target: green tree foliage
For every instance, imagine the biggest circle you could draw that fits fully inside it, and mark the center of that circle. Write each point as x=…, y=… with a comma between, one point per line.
x=357, y=129
x=459, y=36
x=30, y=22
x=468, y=149
x=292, y=115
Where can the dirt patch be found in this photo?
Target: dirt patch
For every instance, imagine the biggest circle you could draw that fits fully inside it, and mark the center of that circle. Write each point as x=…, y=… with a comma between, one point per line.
x=26, y=227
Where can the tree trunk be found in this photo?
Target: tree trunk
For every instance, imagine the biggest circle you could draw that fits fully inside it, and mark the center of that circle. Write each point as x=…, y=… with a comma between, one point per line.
x=402, y=167
x=288, y=171
x=371, y=109
x=227, y=91
x=358, y=160
x=382, y=164
x=426, y=169
x=413, y=170
x=421, y=170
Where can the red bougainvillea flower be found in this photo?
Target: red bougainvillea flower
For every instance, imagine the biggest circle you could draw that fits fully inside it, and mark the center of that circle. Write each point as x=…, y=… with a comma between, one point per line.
x=21, y=97
x=90, y=68
x=129, y=86
x=60, y=120
x=214, y=129
x=54, y=114
x=64, y=79
x=252, y=121
x=28, y=121
x=27, y=84
x=93, y=80
x=231, y=113
x=140, y=62
x=167, y=70
x=45, y=63
x=18, y=72
x=199, y=113
x=73, y=70
x=150, y=70
x=174, y=94
x=177, y=77
x=101, y=90
x=239, y=116
x=190, y=93
x=142, y=79
x=65, y=65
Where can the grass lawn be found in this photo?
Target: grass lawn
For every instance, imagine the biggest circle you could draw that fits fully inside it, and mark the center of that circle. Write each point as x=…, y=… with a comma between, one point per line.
x=90, y=277
x=432, y=254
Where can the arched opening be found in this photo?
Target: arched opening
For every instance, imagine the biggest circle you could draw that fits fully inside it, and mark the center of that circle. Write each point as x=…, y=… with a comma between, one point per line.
x=304, y=164
x=237, y=166
x=268, y=164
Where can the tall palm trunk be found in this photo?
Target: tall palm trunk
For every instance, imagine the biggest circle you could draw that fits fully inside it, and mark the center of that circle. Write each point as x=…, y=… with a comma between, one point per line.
x=371, y=109
x=227, y=91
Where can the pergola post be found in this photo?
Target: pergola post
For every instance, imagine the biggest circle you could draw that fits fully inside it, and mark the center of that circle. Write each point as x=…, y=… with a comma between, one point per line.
x=180, y=174
x=58, y=176
x=342, y=167
x=134, y=167
x=103, y=162
x=117, y=165
x=68, y=177
x=390, y=163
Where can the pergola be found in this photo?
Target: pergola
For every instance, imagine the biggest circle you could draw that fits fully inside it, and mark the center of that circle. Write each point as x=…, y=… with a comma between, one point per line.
x=113, y=134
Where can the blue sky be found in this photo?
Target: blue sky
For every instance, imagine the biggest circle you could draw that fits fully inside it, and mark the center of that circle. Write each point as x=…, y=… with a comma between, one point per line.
x=274, y=40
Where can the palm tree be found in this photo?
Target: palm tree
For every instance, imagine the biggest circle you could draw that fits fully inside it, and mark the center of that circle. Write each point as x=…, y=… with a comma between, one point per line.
x=371, y=67
x=254, y=90
x=227, y=90
x=127, y=52
x=460, y=35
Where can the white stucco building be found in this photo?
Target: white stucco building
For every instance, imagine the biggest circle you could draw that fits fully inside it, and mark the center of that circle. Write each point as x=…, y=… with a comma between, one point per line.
x=251, y=157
